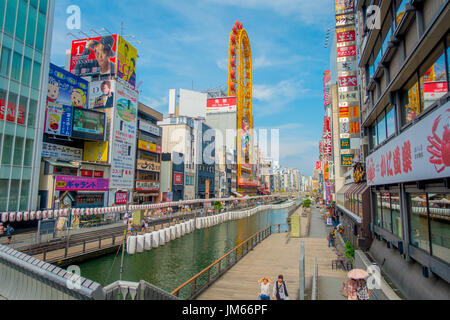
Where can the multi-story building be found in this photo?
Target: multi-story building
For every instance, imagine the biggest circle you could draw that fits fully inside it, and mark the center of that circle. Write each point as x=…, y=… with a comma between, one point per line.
x=148, y=156
x=404, y=66
x=204, y=160
x=25, y=45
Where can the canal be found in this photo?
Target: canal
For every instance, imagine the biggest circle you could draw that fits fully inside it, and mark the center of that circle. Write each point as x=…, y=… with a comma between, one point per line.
x=170, y=265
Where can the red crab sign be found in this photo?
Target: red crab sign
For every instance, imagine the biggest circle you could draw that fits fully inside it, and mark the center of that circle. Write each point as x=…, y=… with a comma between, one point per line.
x=422, y=152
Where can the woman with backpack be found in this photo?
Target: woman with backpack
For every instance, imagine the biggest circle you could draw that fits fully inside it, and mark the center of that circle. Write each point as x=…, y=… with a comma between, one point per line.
x=280, y=290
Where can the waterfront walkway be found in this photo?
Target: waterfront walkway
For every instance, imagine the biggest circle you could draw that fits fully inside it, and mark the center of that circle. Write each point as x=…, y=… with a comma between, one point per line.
x=278, y=255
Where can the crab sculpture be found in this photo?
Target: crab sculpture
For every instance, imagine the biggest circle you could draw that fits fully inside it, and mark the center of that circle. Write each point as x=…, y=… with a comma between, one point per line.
x=440, y=146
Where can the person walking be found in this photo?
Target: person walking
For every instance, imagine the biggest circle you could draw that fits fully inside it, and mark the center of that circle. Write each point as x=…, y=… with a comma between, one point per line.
x=280, y=290
x=331, y=239
x=9, y=233
x=362, y=292
x=349, y=289
x=264, y=292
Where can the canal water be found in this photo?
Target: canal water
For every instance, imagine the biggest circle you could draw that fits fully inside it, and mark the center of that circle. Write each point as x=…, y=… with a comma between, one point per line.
x=171, y=265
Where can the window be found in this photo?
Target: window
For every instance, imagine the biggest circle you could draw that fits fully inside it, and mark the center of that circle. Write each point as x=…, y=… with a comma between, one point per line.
x=400, y=11
x=25, y=192
x=32, y=113
x=21, y=20
x=378, y=211
x=419, y=221
x=10, y=19
x=43, y=6
x=433, y=78
x=18, y=151
x=439, y=208
x=390, y=121
x=14, y=195
x=2, y=13
x=4, y=61
x=36, y=75
x=410, y=100
x=31, y=26
x=396, y=215
x=373, y=136
x=386, y=203
x=381, y=128
x=40, y=34
x=26, y=71
x=16, y=66
x=3, y=194
x=28, y=158
x=7, y=149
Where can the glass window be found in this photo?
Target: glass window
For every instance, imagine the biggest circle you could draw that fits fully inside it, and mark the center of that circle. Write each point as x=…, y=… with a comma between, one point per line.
x=419, y=221
x=10, y=19
x=21, y=20
x=396, y=215
x=18, y=151
x=400, y=11
x=3, y=194
x=34, y=3
x=2, y=12
x=4, y=61
x=28, y=158
x=14, y=195
x=36, y=75
x=381, y=128
x=7, y=149
x=16, y=66
x=32, y=113
x=24, y=193
x=439, y=207
x=386, y=40
x=433, y=78
x=40, y=34
x=386, y=202
x=377, y=60
x=31, y=26
x=379, y=210
x=374, y=141
x=390, y=121
x=26, y=71
x=43, y=6
x=410, y=100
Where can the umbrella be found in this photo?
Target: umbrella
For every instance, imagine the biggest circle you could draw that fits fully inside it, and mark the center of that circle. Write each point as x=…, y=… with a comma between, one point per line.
x=357, y=274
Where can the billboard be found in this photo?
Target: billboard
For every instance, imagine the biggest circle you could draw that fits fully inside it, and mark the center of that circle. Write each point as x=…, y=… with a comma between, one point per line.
x=344, y=6
x=218, y=105
x=123, y=154
x=147, y=186
x=71, y=183
x=96, y=151
x=148, y=146
x=346, y=36
x=88, y=124
x=56, y=151
x=416, y=154
x=101, y=94
x=345, y=144
x=121, y=198
x=347, y=51
x=177, y=178
x=126, y=62
x=150, y=128
x=94, y=56
x=146, y=165
x=347, y=160
x=58, y=120
x=12, y=112
x=66, y=88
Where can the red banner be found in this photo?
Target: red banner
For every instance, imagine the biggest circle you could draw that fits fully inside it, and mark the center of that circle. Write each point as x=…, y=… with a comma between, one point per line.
x=346, y=36
x=11, y=112
x=351, y=81
x=348, y=51
x=177, y=178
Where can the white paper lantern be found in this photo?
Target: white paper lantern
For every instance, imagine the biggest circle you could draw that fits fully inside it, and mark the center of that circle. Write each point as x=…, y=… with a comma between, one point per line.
x=19, y=216
x=12, y=216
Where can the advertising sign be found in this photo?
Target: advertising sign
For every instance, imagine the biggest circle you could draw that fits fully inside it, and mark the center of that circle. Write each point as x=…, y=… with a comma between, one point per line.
x=96, y=151
x=150, y=128
x=101, y=94
x=124, y=137
x=88, y=124
x=346, y=66
x=318, y=165
x=70, y=183
x=347, y=159
x=121, y=198
x=344, y=6
x=345, y=20
x=147, y=186
x=126, y=62
x=217, y=105
x=419, y=153
x=94, y=56
x=55, y=151
x=147, y=146
x=146, y=165
x=12, y=112
x=351, y=81
x=66, y=88
x=433, y=91
x=244, y=182
x=346, y=36
x=58, y=120
x=347, y=51
x=177, y=178
x=345, y=144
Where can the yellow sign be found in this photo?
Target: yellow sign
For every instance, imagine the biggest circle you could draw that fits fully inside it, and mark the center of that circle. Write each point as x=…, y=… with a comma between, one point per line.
x=126, y=62
x=150, y=147
x=95, y=151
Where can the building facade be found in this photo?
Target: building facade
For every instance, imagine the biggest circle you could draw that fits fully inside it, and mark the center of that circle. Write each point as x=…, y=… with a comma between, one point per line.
x=25, y=45
x=404, y=68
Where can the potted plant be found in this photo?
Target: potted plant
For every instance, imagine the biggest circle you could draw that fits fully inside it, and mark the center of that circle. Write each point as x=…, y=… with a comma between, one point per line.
x=349, y=251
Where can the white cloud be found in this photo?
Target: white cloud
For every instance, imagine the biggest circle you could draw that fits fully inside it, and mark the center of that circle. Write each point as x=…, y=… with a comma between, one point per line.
x=286, y=90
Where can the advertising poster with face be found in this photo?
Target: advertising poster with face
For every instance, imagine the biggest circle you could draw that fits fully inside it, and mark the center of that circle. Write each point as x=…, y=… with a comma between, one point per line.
x=101, y=94
x=124, y=138
x=126, y=62
x=58, y=120
x=66, y=89
x=94, y=56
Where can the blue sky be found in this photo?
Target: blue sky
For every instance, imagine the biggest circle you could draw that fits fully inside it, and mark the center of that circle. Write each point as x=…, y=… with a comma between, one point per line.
x=185, y=42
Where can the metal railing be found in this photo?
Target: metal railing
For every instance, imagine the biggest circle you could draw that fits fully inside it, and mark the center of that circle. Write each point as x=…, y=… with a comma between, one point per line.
x=315, y=281
x=197, y=284
x=301, y=290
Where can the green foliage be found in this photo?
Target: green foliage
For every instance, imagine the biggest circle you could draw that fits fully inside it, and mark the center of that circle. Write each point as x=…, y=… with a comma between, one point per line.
x=349, y=251
x=218, y=206
x=306, y=203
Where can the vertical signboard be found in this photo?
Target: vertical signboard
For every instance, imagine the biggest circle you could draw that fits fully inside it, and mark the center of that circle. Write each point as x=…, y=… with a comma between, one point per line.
x=126, y=62
x=124, y=138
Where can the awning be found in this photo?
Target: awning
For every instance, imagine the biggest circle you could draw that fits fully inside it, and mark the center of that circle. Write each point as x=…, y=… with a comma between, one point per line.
x=344, y=189
x=61, y=164
x=350, y=214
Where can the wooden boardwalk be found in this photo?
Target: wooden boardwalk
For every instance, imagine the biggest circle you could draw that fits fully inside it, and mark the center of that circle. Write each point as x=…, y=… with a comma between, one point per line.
x=276, y=256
